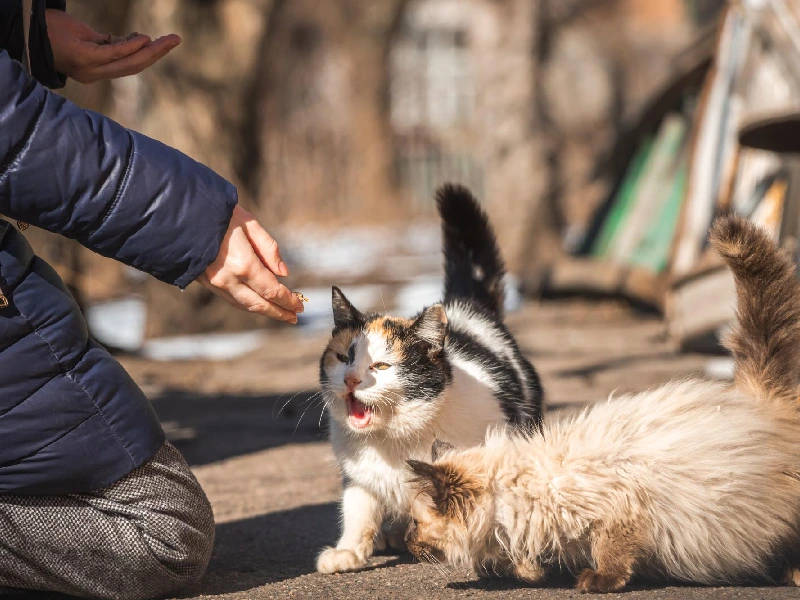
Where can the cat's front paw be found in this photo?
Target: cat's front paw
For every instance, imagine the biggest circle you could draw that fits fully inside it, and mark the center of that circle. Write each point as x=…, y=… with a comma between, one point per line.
x=335, y=561
x=592, y=582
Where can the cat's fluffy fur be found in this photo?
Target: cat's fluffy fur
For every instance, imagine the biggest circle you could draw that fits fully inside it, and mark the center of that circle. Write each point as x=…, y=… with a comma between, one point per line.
x=392, y=385
x=697, y=481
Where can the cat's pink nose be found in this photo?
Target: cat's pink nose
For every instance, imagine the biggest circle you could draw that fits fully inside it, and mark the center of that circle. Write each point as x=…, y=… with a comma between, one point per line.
x=352, y=380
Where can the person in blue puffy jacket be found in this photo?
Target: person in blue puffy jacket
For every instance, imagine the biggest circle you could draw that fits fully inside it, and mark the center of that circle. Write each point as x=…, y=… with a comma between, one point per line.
x=93, y=501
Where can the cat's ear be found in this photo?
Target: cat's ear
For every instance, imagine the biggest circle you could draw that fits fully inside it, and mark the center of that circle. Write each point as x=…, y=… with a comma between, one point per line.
x=345, y=315
x=439, y=448
x=431, y=327
x=451, y=491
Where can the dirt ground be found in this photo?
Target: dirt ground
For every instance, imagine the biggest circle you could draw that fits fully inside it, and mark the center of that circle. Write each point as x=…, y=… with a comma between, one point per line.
x=250, y=428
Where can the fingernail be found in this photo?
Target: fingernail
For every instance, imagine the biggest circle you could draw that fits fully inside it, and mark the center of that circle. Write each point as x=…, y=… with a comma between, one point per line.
x=283, y=269
x=294, y=322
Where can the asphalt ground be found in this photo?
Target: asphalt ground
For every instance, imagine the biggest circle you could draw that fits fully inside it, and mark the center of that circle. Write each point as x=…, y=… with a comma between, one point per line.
x=253, y=433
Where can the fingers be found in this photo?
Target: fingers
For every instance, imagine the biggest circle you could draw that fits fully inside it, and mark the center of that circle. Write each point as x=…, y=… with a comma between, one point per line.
x=242, y=297
x=245, y=268
x=100, y=54
x=238, y=267
x=253, y=302
x=135, y=62
x=265, y=284
x=266, y=248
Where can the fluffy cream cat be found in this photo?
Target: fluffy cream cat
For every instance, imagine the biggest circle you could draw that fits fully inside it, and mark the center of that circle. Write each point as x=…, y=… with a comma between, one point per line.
x=697, y=481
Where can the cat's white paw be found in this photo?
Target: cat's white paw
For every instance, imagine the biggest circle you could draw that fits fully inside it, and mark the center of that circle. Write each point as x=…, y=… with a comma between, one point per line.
x=335, y=561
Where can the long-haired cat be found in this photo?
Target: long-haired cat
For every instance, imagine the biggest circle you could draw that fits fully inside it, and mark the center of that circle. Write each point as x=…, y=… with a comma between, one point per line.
x=697, y=481
x=392, y=386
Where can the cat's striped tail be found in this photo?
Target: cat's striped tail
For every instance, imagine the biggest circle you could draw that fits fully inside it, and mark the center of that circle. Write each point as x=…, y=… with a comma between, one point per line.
x=765, y=341
x=473, y=267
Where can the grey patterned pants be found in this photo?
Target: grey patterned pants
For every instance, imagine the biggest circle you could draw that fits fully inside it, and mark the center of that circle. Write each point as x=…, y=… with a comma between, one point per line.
x=147, y=535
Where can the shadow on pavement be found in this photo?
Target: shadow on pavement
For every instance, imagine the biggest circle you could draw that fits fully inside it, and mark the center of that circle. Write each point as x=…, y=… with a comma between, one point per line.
x=274, y=547
x=211, y=428
x=269, y=548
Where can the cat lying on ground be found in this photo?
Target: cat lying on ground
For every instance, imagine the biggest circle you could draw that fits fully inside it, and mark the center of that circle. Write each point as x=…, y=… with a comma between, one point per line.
x=697, y=481
x=392, y=385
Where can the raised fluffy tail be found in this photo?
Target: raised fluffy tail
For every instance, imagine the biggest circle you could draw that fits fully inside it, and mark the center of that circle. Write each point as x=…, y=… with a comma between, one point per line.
x=765, y=341
x=473, y=267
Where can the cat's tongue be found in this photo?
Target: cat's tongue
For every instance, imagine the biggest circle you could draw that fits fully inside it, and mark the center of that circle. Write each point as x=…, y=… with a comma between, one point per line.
x=359, y=413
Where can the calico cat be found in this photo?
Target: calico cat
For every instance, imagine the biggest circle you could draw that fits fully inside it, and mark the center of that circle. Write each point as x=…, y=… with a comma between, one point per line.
x=697, y=481
x=393, y=385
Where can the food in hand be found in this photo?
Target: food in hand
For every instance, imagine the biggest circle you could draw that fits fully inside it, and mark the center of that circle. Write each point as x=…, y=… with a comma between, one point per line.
x=115, y=39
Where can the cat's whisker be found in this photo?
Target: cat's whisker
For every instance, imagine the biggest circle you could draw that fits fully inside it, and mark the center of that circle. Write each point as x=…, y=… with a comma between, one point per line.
x=325, y=405
x=311, y=399
x=440, y=568
x=296, y=427
x=285, y=404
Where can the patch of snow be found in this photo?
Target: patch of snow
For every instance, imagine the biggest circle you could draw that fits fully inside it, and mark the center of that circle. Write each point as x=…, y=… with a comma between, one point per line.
x=413, y=297
x=119, y=323
x=210, y=346
x=719, y=368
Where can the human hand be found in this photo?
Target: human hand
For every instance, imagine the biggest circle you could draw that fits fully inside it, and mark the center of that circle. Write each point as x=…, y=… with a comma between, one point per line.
x=244, y=272
x=87, y=56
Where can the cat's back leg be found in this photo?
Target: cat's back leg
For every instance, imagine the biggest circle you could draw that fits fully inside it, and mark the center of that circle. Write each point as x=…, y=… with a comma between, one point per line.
x=616, y=548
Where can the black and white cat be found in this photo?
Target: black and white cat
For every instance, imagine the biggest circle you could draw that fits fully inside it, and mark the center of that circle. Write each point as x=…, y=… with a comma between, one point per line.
x=392, y=386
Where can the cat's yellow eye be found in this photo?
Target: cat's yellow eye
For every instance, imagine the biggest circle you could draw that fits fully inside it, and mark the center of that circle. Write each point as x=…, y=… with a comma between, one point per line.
x=381, y=366
x=342, y=357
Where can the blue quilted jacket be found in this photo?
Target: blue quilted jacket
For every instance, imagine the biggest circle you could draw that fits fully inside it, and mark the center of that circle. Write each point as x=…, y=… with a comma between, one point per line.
x=71, y=419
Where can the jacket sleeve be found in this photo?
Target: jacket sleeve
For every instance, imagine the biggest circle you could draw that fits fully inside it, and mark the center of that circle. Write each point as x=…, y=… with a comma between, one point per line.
x=12, y=39
x=117, y=192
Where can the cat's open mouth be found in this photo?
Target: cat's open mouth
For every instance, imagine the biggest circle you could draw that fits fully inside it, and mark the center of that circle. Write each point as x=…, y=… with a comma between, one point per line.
x=358, y=413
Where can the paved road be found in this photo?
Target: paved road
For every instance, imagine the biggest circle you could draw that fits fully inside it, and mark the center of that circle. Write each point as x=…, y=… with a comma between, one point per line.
x=270, y=476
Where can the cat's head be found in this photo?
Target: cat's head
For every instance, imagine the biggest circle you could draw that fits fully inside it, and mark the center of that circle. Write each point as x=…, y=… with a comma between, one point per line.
x=384, y=374
x=452, y=512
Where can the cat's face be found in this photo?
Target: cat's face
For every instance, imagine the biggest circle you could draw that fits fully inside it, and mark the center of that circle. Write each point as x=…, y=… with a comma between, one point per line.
x=451, y=514
x=384, y=374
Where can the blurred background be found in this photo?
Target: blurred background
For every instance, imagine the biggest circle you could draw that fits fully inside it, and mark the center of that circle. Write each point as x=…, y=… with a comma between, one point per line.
x=338, y=120
x=602, y=137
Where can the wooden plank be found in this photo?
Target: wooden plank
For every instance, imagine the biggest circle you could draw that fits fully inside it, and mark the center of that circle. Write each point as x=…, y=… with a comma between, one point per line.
x=588, y=277
x=623, y=202
x=653, y=190
x=711, y=156
x=700, y=306
x=654, y=248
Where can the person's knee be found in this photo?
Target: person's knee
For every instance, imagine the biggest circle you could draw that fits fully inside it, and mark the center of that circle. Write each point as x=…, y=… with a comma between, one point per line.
x=185, y=554
x=175, y=556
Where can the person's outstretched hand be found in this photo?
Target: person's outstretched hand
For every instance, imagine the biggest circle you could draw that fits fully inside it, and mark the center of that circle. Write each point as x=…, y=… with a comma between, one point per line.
x=88, y=56
x=244, y=272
